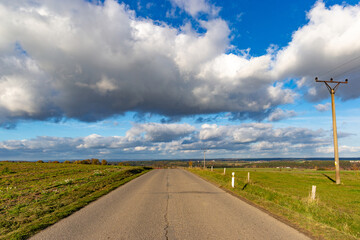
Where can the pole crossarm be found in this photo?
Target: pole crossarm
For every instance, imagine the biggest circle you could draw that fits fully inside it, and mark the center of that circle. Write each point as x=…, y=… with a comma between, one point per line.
x=331, y=89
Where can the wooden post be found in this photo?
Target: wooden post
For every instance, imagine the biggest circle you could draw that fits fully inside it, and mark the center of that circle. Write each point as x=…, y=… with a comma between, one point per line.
x=204, y=158
x=336, y=148
x=224, y=171
x=248, y=180
x=233, y=180
x=212, y=168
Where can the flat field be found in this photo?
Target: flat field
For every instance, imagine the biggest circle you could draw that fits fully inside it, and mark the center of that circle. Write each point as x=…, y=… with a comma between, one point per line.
x=36, y=195
x=334, y=214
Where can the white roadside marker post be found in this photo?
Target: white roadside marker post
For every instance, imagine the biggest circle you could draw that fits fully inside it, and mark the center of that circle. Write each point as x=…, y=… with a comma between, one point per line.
x=313, y=192
x=212, y=168
x=233, y=180
x=224, y=171
x=248, y=180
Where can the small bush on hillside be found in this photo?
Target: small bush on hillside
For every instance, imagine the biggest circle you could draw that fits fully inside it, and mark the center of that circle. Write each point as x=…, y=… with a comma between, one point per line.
x=86, y=161
x=95, y=161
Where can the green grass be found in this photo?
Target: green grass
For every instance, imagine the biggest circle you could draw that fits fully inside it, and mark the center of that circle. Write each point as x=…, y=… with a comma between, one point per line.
x=36, y=195
x=335, y=214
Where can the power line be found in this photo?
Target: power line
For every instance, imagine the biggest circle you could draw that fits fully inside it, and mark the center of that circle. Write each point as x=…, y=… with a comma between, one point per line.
x=339, y=66
x=348, y=71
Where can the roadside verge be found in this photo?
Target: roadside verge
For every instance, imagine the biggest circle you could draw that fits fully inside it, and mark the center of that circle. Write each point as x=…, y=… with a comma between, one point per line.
x=266, y=192
x=36, y=201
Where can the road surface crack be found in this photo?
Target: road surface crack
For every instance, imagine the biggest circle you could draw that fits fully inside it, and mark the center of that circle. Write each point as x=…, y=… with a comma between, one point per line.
x=167, y=208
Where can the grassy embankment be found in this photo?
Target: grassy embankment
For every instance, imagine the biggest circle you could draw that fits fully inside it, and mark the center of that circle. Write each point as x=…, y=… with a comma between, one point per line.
x=335, y=214
x=36, y=195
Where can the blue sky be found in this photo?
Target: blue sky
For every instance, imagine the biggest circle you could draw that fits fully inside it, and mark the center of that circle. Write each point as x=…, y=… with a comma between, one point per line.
x=164, y=79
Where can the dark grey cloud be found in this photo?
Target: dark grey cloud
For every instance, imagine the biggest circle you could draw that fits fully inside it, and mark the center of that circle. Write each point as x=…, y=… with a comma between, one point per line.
x=345, y=134
x=155, y=132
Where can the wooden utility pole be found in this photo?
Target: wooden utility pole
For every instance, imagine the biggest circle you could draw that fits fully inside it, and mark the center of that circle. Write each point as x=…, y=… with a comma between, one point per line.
x=332, y=91
x=204, y=158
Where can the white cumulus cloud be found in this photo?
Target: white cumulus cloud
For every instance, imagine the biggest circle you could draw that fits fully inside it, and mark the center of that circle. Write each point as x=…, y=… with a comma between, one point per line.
x=63, y=64
x=93, y=68
x=323, y=107
x=194, y=7
x=326, y=47
x=153, y=139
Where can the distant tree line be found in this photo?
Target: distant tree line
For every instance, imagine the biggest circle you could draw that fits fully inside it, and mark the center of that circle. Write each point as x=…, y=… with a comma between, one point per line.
x=302, y=164
x=92, y=161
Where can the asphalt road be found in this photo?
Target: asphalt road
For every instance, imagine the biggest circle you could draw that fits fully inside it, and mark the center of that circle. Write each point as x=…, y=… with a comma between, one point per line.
x=169, y=204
